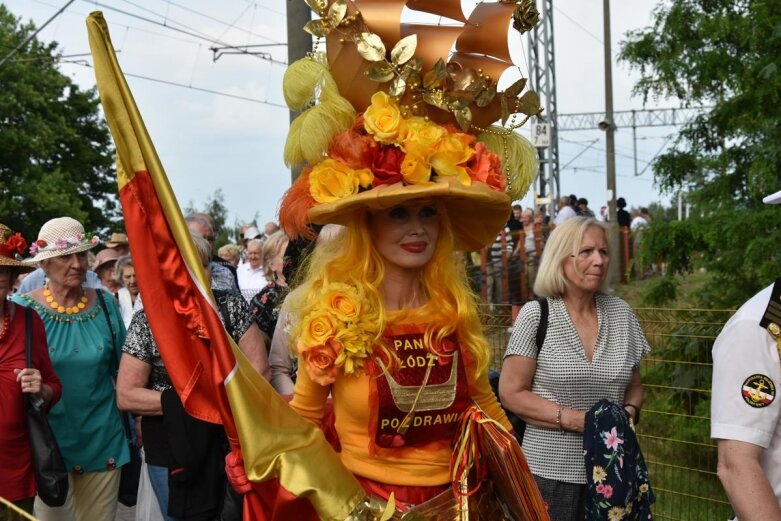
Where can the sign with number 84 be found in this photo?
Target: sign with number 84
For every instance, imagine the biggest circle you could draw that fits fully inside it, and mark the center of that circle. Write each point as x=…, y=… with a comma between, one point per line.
x=540, y=134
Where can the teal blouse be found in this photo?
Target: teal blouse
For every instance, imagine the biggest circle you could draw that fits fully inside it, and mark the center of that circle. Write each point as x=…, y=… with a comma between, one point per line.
x=86, y=421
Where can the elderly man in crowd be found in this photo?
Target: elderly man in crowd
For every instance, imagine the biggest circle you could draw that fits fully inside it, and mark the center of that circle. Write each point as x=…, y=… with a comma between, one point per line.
x=223, y=273
x=565, y=211
x=251, y=277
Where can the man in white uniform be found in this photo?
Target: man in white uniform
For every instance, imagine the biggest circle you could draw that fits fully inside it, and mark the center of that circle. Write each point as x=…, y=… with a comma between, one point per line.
x=745, y=410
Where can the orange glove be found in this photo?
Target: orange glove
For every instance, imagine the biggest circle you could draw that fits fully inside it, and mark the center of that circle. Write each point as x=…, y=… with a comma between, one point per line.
x=234, y=469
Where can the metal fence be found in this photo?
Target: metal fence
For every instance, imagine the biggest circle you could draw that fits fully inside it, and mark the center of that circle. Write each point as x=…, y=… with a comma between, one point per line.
x=675, y=429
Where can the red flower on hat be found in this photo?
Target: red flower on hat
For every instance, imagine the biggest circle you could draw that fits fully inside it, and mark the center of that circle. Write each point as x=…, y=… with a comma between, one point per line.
x=16, y=243
x=387, y=166
x=37, y=245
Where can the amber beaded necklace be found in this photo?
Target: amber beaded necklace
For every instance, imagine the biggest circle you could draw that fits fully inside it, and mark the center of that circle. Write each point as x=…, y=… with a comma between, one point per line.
x=72, y=310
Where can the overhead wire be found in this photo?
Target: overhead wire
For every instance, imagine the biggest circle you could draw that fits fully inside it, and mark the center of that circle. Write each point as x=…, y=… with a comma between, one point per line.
x=189, y=33
x=265, y=7
x=597, y=169
x=63, y=59
x=83, y=63
x=214, y=19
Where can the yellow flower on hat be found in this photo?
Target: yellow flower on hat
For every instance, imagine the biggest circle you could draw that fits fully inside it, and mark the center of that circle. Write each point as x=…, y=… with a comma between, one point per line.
x=419, y=136
x=451, y=154
x=332, y=180
x=365, y=177
x=415, y=169
x=383, y=118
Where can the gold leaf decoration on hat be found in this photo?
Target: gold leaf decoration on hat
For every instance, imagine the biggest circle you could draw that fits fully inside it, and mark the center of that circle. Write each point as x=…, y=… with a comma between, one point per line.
x=525, y=16
x=323, y=27
x=404, y=49
x=370, y=46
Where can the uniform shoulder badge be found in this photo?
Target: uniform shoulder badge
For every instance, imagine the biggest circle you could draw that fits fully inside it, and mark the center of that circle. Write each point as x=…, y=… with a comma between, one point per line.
x=758, y=390
x=772, y=316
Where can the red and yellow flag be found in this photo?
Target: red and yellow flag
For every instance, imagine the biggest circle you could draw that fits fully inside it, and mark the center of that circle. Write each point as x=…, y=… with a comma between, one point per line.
x=295, y=473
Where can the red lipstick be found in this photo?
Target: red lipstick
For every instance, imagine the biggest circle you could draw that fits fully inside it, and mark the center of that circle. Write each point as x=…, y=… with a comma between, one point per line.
x=415, y=247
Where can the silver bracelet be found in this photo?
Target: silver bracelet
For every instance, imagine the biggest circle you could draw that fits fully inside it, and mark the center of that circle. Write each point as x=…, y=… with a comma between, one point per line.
x=558, y=420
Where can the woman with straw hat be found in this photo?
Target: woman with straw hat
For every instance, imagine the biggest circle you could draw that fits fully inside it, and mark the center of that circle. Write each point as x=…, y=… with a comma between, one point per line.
x=17, y=481
x=85, y=334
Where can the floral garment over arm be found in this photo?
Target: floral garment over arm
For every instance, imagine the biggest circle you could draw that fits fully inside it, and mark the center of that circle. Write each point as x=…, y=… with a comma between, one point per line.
x=617, y=478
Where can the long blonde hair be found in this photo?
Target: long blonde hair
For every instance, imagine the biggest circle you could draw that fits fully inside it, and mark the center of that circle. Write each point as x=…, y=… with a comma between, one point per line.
x=351, y=258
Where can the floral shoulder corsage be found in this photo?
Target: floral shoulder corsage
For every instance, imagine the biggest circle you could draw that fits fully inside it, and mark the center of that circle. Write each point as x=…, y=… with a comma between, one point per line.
x=338, y=334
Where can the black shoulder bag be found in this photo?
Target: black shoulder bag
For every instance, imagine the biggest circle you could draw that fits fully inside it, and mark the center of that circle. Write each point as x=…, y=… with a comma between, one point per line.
x=519, y=426
x=51, y=476
x=131, y=471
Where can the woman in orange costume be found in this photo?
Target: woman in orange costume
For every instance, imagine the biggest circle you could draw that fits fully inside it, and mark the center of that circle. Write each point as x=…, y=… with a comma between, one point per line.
x=384, y=320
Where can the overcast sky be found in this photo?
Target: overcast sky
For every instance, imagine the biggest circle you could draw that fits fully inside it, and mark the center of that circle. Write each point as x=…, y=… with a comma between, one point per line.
x=232, y=137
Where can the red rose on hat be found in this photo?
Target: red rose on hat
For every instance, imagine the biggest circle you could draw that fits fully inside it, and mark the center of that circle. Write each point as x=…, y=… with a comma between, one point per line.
x=387, y=166
x=16, y=243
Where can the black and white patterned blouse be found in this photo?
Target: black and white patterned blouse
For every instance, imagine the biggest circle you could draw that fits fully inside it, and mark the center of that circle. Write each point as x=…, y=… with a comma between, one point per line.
x=566, y=377
x=140, y=344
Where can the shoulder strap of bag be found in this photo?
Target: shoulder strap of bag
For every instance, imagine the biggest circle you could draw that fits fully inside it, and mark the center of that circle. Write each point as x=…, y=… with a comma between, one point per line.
x=542, y=327
x=102, y=300
x=28, y=328
x=222, y=300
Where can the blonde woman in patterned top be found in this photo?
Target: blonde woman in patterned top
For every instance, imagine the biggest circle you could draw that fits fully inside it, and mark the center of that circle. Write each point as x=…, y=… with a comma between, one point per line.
x=592, y=350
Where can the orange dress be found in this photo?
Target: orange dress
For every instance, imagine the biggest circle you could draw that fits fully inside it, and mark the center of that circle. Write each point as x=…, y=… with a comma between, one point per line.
x=385, y=433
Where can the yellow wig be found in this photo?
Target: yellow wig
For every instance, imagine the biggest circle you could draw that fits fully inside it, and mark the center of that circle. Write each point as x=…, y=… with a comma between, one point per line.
x=351, y=258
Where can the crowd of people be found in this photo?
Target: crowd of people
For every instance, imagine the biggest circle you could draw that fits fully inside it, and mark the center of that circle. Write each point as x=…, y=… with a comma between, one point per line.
x=94, y=358
x=507, y=272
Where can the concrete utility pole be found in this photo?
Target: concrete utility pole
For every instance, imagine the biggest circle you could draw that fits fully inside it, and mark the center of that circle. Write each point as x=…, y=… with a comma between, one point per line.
x=299, y=43
x=609, y=127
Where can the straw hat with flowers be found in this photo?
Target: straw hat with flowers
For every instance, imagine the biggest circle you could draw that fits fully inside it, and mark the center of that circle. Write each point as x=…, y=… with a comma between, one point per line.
x=12, y=245
x=61, y=236
x=388, y=116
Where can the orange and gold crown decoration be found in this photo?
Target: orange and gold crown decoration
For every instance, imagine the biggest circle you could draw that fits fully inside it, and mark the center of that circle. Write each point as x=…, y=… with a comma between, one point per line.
x=359, y=34
x=398, y=110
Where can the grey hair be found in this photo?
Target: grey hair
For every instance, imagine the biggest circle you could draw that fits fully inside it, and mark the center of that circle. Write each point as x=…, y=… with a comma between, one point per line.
x=195, y=218
x=122, y=262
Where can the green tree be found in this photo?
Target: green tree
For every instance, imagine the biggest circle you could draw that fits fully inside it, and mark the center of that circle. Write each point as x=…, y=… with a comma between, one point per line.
x=724, y=54
x=56, y=156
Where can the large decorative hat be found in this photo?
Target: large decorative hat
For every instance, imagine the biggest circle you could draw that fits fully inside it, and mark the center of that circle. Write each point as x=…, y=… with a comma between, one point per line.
x=61, y=236
x=388, y=117
x=11, y=245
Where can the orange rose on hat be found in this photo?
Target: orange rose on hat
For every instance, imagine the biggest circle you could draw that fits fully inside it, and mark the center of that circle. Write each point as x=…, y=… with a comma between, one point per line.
x=486, y=167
